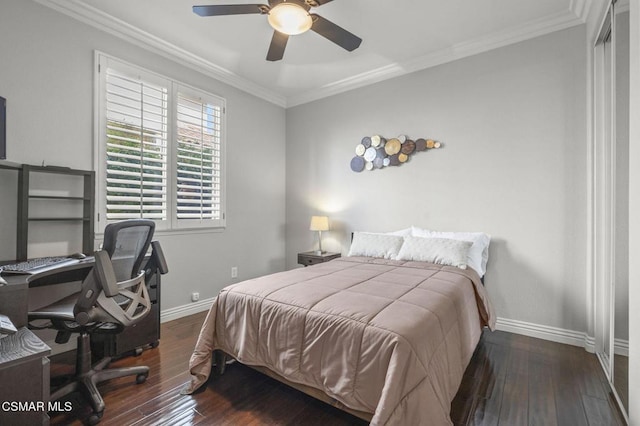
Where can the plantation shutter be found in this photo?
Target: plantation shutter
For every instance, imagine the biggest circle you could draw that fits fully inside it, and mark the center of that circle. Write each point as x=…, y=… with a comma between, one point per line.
x=160, y=149
x=136, y=148
x=198, y=165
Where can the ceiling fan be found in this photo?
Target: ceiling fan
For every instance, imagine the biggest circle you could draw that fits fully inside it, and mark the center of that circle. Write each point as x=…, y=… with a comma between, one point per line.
x=287, y=17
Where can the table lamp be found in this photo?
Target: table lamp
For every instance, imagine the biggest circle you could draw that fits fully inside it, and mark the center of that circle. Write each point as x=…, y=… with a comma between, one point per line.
x=319, y=223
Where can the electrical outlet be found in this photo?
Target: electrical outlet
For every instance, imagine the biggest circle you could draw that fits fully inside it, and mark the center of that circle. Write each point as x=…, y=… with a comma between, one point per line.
x=195, y=296
x=234, y=272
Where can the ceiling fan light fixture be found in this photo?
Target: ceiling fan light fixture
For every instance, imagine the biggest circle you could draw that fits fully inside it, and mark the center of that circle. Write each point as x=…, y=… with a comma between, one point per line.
x=289, y=18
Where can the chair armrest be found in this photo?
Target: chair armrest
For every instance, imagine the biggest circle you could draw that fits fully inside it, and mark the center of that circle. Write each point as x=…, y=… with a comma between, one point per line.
x=106, y=274
x=129, y=311
x=157, y=261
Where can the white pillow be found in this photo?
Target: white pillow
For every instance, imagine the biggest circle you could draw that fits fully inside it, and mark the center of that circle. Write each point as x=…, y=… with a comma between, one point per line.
x=403, y=232
x=444, y=251
x=478, y=253
x=375, y=245
x=419, y=232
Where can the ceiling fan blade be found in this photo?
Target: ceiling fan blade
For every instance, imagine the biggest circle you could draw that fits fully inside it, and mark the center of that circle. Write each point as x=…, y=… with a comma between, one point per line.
x=229, y=9
x=336, y=34
x=276, y=48
x=317, y=3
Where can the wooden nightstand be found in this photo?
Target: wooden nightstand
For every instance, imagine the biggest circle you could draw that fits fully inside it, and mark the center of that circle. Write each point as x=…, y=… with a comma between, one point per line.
x=309, y=258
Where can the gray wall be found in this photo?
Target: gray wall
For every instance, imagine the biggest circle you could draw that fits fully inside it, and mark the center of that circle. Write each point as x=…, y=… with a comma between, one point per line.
x=46, y=74
x=513, y=124
x=513, y=164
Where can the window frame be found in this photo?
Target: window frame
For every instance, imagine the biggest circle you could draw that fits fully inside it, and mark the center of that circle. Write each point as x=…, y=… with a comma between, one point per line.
x=172, y=223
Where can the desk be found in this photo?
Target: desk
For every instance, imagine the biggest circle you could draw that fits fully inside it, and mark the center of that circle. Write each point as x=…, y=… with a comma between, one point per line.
x=24, y=369
x=14, y=296
x=14, y=304
x=24, y=366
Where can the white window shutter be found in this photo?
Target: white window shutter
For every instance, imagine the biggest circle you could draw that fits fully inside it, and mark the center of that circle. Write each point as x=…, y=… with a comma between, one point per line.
x=198, y=161
x=160, y=149
x=136, y=148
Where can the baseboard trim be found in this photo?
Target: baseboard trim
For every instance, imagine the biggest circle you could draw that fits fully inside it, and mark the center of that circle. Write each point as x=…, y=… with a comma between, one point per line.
x=186, y=310
x=559, y=335
x=539, y=331
x=545, y=332
x=621, y=347
x=166, y=315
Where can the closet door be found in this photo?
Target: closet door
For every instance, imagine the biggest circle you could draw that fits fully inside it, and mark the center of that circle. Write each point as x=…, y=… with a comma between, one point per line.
x=621, y=284
x=611, y=199
x=604, y=192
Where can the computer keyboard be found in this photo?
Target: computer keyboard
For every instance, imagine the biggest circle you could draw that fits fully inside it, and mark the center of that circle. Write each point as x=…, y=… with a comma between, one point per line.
x=33, y=265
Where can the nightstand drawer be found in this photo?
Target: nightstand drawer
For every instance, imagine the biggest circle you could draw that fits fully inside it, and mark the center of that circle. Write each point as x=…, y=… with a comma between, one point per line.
x=308, y=261
x=311, y=258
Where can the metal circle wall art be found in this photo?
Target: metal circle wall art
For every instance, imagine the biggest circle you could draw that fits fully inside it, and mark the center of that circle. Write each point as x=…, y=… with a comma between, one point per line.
x=376, y=152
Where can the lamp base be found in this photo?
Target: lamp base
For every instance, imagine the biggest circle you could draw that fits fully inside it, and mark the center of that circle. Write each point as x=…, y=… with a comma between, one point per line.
x=319, y=252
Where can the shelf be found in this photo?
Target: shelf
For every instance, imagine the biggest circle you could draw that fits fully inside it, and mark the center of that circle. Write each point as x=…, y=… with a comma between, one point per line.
x=58, y=170
x=8, y=165
x=57, y=197
x=83, y=205
x=58, y=219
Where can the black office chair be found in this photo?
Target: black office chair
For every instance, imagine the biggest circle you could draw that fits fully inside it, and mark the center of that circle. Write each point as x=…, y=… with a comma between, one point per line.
x=112, y=297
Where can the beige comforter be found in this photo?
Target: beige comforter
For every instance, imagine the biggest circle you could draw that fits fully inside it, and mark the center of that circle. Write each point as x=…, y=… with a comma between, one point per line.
x=391, y=338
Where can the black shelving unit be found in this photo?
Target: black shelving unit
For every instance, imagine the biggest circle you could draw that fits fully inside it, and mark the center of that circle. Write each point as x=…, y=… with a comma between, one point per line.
x=85, y=216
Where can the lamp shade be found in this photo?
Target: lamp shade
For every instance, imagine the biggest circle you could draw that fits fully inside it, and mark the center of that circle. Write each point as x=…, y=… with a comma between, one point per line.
x=319, y=223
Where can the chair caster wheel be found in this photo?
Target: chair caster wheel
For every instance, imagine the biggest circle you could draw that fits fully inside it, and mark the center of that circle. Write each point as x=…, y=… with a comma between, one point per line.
x=141, y=378
x=95, y=418
x=138, y=351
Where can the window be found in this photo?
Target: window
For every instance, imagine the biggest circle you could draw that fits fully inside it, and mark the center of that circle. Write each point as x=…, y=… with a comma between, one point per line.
x=198, y=159
x=160, y=149
x=136, y=148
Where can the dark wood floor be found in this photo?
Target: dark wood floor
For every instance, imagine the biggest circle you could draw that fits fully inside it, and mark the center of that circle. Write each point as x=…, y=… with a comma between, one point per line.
x=518, y=380
x=621, y=378
x=512, y=380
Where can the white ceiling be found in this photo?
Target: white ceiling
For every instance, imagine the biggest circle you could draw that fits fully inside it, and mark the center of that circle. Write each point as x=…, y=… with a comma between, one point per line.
x=399, y=36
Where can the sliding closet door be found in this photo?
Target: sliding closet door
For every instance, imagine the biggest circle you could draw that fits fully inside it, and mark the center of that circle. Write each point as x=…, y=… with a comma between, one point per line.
x=604, y=192
x=621, y=305
x=611, y=199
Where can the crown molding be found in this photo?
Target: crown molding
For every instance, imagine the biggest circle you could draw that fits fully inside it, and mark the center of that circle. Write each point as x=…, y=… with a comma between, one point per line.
x=533, y=29
x=622, y=6
x=577, y=14
x=581, y=8
x=91, y=16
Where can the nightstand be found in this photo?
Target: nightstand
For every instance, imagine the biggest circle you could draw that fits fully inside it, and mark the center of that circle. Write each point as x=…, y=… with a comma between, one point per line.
x=309, y=258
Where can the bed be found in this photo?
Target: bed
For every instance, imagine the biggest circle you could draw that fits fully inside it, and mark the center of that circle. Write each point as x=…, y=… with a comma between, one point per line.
x=386, y=340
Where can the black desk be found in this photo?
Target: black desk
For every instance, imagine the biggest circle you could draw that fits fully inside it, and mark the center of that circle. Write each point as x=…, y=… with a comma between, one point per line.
x=24, y=369
x=14, y=303
x=24, y=366
x=23, y=356
x=14, y=296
